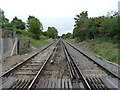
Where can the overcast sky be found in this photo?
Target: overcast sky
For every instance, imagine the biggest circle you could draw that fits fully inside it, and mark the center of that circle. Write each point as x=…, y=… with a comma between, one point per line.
x=57, y=13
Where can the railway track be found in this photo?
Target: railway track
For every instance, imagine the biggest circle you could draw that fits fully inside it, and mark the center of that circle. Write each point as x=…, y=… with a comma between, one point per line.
x=97, y=76
x=55, y=74
x=25, y=72
x=59, y=65
x=75, y=72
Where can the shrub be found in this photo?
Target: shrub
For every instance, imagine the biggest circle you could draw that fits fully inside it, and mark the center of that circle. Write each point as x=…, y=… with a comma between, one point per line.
x=43, y=37
x=25, y=33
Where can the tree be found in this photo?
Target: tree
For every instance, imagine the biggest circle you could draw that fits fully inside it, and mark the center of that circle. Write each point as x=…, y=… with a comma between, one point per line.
x=52, y=32
x=18, y=23
x=30, y=17
x=3, y=20
x=80, y=18
x=35, y=27
x=96, y=27
x=79, y=27
x=68, y=35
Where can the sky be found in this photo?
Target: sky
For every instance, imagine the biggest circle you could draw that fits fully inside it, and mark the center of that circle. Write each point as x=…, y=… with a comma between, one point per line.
x=56, y=13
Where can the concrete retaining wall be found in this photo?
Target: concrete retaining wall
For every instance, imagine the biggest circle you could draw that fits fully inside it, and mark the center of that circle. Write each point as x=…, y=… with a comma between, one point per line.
x=6, y=46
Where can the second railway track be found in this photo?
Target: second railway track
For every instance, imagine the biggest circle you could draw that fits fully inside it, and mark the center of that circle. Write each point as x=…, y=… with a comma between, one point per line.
x=97, y=76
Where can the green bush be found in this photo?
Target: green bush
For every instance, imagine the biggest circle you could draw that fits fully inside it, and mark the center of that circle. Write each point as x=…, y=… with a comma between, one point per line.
x=25, y=33
x=42, y=37
x=39, y=43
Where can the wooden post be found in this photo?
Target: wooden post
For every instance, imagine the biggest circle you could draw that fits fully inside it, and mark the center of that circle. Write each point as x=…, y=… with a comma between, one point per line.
x=14, y=46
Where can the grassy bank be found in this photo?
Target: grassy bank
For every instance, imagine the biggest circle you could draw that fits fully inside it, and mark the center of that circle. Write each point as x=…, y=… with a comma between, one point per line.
x=106, y=48
x=33, y=42
x=39, y=43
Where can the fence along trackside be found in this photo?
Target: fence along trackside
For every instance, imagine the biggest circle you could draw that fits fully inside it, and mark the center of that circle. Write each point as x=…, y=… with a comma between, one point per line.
x=7, y=48
x=9, y=45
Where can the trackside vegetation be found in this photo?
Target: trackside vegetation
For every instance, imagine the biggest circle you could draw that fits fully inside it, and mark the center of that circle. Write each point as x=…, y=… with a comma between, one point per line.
x=32, y=29
x=97, y=34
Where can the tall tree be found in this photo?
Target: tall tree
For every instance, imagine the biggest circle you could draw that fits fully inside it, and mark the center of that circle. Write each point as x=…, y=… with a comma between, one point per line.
x=30, y=17
x=68, y=35
x=3, y=20
x=96, y=27
x=18, y=23
x=52, y=32
x=80, y=19
x=35, y=27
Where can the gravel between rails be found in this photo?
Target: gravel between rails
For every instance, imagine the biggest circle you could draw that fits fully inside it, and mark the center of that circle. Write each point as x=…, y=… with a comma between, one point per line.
x=89, y=67
x=59, y=67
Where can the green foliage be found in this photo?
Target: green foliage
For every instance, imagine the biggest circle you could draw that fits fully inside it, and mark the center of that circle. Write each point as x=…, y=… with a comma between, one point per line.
x=42, y=37
x=35, y=27
x=18, y=23
x=4, y=22
x=52, y=32
x=24, y=33
x=39, y=43
x=97, y=27
x=68, y=35
x=29, y=18
x=44, y=33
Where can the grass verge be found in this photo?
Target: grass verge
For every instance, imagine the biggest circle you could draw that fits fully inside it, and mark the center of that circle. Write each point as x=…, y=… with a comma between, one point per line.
x=39, y=43
x=106, y=48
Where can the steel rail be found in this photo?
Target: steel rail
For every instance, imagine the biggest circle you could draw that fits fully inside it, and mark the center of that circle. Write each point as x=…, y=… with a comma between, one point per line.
x=77, y=70
x=21, y=63
x=53, y=56
x=35, y=80
x=116, y=76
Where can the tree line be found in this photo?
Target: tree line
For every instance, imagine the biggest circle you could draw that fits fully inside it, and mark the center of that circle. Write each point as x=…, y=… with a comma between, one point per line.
x=32, y=27
x=95, y=27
